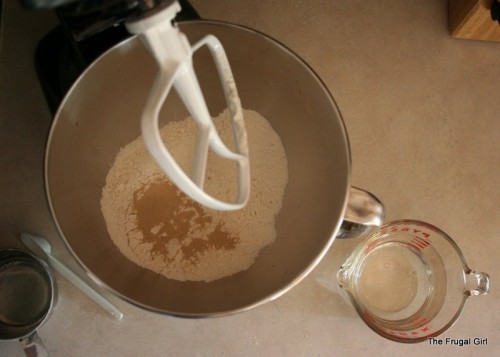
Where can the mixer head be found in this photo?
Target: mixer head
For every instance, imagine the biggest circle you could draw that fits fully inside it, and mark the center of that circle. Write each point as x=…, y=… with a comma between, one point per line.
x=88, y=17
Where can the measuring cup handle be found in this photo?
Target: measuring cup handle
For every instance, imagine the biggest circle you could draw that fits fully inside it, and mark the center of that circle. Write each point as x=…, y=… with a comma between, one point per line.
x=33, y=346
x=364, y=211
x=477, y=283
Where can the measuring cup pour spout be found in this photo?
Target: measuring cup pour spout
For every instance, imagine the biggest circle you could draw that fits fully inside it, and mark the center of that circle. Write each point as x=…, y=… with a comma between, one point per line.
x=345, y=273
x=343, y=277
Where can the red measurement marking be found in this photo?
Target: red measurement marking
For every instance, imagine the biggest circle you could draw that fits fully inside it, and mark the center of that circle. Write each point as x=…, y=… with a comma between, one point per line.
x=415, y=333
x=407, y=229
x=420, y=322
x=423, y=241
x=420, y=319
x=411, y=244
x=425, y=329
x=416, y=318
x=423, y=321
x=419, y=243
x=369, y=246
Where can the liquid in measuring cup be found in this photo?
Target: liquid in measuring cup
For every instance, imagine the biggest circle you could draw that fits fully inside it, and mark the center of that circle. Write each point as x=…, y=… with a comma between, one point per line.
x=394, y=281
x=24, y=294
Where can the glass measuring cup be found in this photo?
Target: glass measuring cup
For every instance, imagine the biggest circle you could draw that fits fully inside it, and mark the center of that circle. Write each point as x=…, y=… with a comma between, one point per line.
x=409, y=281
x=28, y=293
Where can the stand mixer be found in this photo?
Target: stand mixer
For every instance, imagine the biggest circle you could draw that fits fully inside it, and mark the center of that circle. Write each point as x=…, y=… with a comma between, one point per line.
x=101, y=112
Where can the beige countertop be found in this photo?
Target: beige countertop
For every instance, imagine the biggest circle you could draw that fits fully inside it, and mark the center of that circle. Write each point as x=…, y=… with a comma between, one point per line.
x=423, y=115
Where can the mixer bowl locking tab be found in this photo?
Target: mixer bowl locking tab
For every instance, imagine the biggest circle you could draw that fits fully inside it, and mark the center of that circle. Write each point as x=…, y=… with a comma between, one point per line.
x=173, y=54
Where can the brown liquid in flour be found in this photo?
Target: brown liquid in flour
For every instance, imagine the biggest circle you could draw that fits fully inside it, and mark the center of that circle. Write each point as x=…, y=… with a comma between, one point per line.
x=166, y=216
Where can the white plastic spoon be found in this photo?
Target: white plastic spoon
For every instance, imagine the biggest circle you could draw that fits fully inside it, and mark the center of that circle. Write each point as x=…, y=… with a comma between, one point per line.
x=28, y=239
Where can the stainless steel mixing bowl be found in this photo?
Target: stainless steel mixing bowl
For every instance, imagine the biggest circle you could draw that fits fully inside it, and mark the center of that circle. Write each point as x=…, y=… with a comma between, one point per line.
x=101, y=114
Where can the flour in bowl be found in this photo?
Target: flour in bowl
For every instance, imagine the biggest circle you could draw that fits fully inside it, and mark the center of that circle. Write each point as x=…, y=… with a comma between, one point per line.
x=159, y=228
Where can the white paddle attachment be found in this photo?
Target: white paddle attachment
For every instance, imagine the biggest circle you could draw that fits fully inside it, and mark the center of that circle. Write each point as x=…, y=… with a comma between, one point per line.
x=173, y=53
